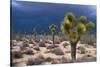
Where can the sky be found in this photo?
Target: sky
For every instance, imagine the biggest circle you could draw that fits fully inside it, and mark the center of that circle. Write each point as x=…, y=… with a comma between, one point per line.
x=28, y=15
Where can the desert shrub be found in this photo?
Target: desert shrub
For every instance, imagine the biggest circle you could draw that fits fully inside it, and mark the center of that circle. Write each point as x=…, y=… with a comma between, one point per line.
x=35, y=61
x=30, y=62
x=17, y=54
x=37, y=48
x=25, y=44
x=29, y=52
x=58, y=51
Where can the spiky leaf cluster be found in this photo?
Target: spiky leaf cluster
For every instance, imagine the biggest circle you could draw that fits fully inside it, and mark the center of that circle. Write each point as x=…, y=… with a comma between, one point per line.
x=81, y=28
x=75, y=27
x=52, y=28
x=90, y=26
x=83, y=19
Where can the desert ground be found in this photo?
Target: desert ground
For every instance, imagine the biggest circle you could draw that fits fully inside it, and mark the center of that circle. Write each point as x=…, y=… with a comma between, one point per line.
x=39, y=50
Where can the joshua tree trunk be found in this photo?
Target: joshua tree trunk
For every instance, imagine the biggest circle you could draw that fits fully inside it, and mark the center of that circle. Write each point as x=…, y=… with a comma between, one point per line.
x=73, y=51
x=53, y=38
x=35, y=36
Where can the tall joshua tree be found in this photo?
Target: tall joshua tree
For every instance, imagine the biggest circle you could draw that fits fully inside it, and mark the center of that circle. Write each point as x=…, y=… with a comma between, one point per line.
x=52, y=28
x=75, y=28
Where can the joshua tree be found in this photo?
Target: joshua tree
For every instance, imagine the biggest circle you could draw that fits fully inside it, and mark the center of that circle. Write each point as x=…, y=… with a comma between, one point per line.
x=34, y=32
x=75, y=29
x=52, y=28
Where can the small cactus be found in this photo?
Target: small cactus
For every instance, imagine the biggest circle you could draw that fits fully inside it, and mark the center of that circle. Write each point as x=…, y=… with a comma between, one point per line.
x=75, y=29
x=52, y=28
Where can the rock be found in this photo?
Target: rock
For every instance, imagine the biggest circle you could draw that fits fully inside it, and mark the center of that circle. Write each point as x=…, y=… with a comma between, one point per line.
x=31, y=45
x=14, y=43
x=48, y=59
x=29, y=52
x=43, y=49
x=30, y=62
x=37, y=40
x=87, y=58
x=16, y=48
x=94, y=44
x=56, y=61
x=25, y=44
x=36, y=48
x=81, y=49
x=49, y=46
x=57, y=42
x=66, y=59
x=36, y=60
x=68, y=48
x=33, y=42
x=16, y=54
x=65, y=43
x=17, y=43
x=42, y=43
x=24, y=48
x=88, y=55
x=58, y=51
x=49, y=41
x=21, y=64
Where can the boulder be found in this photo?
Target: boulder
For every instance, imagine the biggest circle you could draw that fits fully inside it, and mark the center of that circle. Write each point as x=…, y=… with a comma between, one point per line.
x=48, y=41
x=42, y=43
x=56, y=61
x=16, y=54
x=16, y=48
x=50, y=46
x=33, y=42
x=81, y=49
x=30, y=62
x=14, y=43
x=57, y=42
x=34, y=61
x=58, y=51
x=38, y=59
x=20, y=43
x=66, y=59
x=25, y=44
x=29, y=52
x=31, y=45
x=65, y=43
x=36, y=48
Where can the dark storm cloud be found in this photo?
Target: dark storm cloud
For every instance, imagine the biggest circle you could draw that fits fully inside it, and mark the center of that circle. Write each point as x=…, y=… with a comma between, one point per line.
x=26, y=15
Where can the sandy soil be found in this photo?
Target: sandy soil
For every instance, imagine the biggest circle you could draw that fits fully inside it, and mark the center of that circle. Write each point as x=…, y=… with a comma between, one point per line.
x=41, y=51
